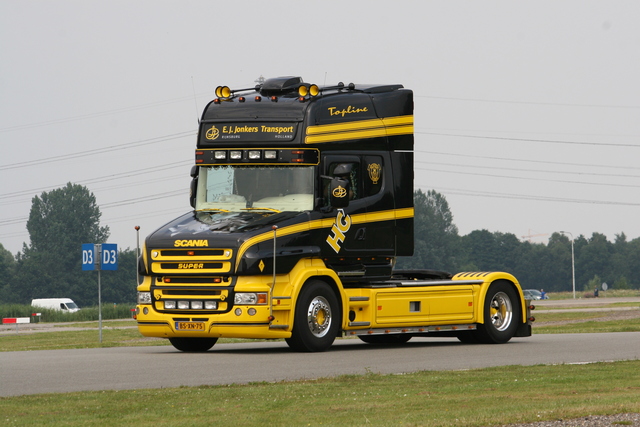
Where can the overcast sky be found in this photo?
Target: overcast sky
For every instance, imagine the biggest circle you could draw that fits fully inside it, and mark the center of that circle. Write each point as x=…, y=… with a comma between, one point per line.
x=527, y=113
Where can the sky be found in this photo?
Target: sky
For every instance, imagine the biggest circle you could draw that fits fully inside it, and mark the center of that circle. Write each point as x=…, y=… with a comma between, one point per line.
x=527, y=114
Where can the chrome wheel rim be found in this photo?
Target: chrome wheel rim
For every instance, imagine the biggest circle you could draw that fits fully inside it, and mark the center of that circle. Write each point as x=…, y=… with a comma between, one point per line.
x=501, y=311
x=319, y=316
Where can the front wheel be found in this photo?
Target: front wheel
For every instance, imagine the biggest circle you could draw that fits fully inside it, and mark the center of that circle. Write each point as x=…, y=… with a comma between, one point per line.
x=193, y=345
x=317, y=318
x=501, y=314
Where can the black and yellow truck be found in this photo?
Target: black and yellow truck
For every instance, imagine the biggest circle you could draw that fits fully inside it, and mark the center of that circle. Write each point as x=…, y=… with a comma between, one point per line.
x=302, y=199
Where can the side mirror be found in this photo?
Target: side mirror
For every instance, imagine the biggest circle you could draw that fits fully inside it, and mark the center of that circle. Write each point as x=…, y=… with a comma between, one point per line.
x=192, y=192
x=194, y=186
x=339, y=192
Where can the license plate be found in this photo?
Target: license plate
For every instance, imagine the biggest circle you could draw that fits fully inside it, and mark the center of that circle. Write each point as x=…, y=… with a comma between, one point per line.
x=190, y=326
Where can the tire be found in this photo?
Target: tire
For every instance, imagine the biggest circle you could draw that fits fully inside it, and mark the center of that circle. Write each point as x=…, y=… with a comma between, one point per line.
x=193, y=345
x=317, y=319
x=501, y=314
x=385, y=339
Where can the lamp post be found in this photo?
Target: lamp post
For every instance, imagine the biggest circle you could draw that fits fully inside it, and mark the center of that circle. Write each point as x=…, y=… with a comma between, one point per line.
x=573, y=264
x=137, y=227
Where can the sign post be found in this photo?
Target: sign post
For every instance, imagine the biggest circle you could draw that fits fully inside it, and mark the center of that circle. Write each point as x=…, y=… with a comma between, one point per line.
x=99, y=257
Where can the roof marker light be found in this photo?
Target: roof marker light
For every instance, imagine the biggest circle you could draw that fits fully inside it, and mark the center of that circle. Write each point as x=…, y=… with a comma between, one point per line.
x=258, y=98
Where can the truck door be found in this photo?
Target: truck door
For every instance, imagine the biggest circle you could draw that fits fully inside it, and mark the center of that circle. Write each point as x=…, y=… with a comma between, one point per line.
x=361, y=229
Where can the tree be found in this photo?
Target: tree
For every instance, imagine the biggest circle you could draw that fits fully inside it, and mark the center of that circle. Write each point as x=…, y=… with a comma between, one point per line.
x=7, y=271
x=59, y=222
x=594, y=259
x=435, y=235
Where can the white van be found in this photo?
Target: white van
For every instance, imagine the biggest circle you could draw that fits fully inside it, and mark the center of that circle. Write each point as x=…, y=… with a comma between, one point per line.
x=62, y=304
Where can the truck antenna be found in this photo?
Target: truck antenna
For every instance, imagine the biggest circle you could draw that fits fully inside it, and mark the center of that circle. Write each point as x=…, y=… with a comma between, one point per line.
x=195, y=101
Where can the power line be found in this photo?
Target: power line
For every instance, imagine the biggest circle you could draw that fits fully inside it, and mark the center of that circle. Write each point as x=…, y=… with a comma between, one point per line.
x=101, y=113
x=549, y=141
x=525, y=178
x=153, y=169
x=460, y=192
x=473, y=156
x=86, y=153
x=537, y=171
x=548, y=104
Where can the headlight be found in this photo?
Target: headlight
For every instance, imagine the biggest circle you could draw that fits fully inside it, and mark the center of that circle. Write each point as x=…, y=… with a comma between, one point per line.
x=250, y=298
x=144, y=297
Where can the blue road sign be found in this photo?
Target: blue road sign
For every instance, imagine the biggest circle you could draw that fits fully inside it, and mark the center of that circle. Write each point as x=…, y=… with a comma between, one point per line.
x=88, y=257
x=109, y=256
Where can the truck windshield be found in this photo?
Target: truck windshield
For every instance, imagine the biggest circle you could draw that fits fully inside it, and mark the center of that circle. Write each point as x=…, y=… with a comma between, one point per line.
x=234, y=188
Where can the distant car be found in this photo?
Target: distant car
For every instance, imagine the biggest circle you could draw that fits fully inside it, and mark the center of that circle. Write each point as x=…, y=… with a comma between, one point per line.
x=532, y=294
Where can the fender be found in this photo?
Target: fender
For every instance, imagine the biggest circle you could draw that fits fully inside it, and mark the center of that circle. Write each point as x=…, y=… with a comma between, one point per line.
x=304, y=270
x=488, y=277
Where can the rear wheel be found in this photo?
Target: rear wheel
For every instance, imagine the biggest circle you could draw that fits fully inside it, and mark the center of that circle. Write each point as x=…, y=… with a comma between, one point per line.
x=193, y=345
x=385, y=339
x=501, y=314
x=317, y=318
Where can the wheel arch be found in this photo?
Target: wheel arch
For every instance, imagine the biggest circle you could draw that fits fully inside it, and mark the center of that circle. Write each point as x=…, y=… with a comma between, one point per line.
x=302, y=277
x=511, y=282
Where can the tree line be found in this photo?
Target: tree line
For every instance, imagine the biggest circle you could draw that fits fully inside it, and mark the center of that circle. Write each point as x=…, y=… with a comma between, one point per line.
x=439, y=246
x=50, y=266
x=61, y=220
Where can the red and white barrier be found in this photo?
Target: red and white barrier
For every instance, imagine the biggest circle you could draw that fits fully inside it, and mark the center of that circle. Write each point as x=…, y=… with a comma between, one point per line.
x=16, y=320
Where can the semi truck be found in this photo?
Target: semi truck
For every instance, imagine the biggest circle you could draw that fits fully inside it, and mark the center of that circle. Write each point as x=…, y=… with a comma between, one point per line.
x=302, y=200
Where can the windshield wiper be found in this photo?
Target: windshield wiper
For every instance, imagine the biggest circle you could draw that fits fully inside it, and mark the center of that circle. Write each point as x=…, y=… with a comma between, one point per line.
x=212, y=209
x=261, y=209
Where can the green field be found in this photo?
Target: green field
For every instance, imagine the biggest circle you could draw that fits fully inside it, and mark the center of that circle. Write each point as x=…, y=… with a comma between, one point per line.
x=484, y=397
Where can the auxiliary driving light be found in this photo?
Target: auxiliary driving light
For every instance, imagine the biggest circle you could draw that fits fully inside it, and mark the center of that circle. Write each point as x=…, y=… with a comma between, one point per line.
x=220, y=155
x=196, y=305
x=183, y=305
x=223, y=92
x=169, y=305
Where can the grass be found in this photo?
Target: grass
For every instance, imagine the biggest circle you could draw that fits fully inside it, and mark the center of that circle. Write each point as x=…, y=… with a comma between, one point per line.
x=109, y=311
x=592, y=326
x=89, y=338
x=484, y=397
x=612, y=293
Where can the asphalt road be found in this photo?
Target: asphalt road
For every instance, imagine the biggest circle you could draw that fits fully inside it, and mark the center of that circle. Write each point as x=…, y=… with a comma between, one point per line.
x=58, y=371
